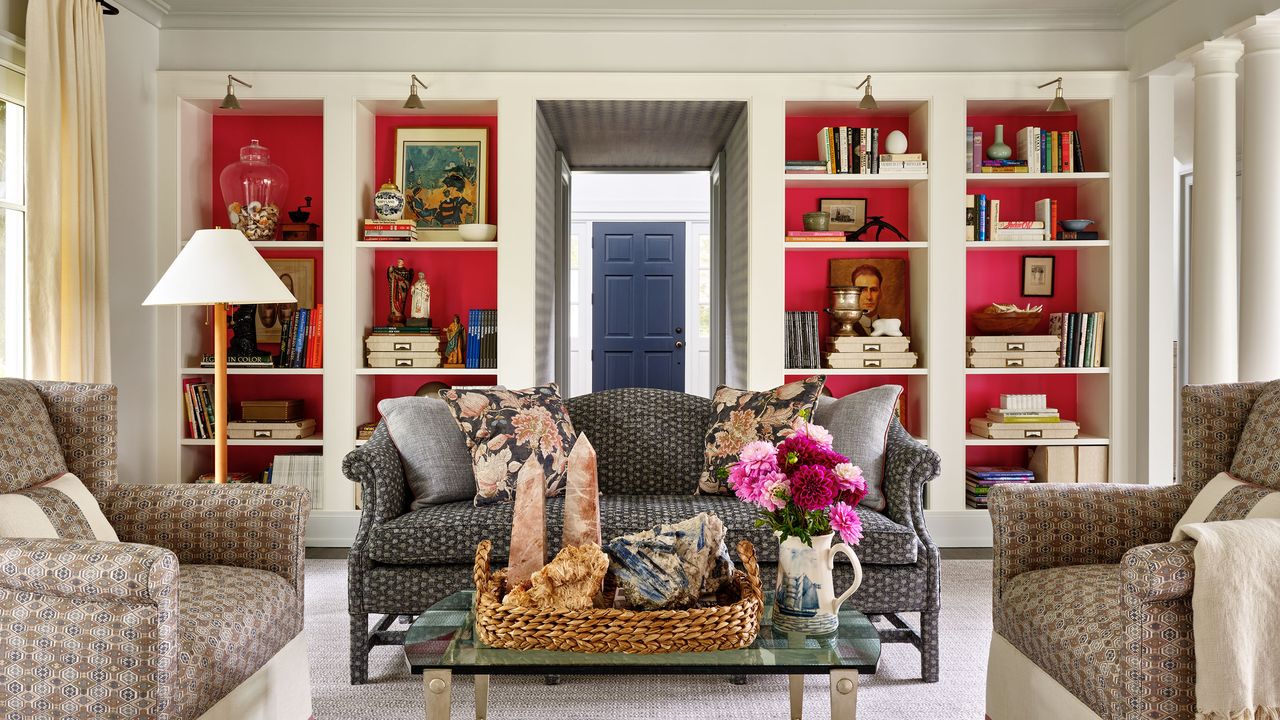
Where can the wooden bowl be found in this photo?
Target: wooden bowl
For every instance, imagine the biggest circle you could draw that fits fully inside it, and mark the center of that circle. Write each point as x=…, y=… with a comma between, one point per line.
x=1006, y=323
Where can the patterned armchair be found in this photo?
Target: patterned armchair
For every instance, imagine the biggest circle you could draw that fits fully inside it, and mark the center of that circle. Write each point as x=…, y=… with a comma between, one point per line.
x=651, y=452
x=204, y=591
x=1092, y=603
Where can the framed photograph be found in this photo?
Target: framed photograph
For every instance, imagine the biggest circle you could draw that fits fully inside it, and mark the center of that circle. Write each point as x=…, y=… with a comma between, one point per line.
x=297, y=274
x=884, y=288
x=443, y=174
x=1037, y=275
x=847, y=214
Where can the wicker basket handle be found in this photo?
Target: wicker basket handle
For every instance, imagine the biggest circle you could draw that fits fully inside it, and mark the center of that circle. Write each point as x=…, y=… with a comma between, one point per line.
x=481, y=573
x=747, y=552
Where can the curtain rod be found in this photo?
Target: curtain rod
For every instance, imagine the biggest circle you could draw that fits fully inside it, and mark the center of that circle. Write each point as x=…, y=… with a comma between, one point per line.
x=108, y=8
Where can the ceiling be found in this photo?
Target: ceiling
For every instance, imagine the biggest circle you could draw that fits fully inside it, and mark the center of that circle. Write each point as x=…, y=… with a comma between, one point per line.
x=640, y=134
x=709, y=15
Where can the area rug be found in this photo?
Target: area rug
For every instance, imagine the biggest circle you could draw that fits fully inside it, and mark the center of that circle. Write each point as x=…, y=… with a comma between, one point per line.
x=894, y=692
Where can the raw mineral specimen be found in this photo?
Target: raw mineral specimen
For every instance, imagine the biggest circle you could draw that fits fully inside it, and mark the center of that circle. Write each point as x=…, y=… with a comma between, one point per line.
x=671, y=565
x=528, y=527
x=581, y=496
x=569, y=582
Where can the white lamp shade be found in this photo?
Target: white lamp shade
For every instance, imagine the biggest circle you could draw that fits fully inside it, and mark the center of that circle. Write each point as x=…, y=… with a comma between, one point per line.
x=219, y=266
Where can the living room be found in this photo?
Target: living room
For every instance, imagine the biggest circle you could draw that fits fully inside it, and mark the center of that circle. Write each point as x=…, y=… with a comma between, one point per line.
x=320, y=401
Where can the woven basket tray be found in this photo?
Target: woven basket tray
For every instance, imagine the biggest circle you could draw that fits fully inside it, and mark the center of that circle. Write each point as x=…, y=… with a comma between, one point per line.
x=598, y=630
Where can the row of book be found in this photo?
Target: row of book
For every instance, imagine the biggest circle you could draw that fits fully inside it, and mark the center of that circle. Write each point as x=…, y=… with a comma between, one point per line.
x=390, y=231
x=856, y=151
x=302, y=339
x=482, y=339
x=1038, y=150
x=198, y=399
x=802, y=339
x=1080, y=338
x=983, y=222
x=979, y=479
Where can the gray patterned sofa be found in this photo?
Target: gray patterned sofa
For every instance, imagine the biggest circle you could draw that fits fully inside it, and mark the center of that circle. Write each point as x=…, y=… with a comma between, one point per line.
x=650, y=453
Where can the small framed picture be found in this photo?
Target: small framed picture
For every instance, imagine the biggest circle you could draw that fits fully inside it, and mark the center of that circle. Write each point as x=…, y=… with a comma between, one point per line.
x=297, y=274
x=847, y=214
x=1037, y=275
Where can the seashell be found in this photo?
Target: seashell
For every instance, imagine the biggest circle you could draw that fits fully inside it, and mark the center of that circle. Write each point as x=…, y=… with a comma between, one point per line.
x=255, y=207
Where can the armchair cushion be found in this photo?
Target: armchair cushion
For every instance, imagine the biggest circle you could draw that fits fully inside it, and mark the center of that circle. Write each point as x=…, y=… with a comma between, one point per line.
x=859, y=427
x=1257, y=458
x=30, y=453
x=1226, y=498
x=62, y=507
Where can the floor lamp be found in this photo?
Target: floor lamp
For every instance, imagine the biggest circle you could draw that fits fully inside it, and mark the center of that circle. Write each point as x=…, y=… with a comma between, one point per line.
x=219, y=268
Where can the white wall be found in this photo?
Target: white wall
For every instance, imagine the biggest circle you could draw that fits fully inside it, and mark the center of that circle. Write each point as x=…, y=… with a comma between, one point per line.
x=133, y=47
x=1155, y=41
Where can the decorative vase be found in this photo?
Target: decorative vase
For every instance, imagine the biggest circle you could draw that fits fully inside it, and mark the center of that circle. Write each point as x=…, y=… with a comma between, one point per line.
x=254, y=189
x=998, y=150
x=388, y=202
x=845, y=310
x=816, y=221
x=803, y=599
x=895, y=143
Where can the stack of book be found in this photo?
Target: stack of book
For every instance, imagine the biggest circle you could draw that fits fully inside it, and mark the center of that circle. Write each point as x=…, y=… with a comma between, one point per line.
x=851, y=352
x=806, y=167
x=1013, y=351
x=802, y=340
x=891, y=163
x=815, y=236
x=1023, y=417
x=984, y=223
x=199, y=403
x=390, y=230
x=392, y=346
x=364, y=431
x=979, y=479
x=1079, y=338
x=482, y=339
x=302, y=339
x=1004, y=166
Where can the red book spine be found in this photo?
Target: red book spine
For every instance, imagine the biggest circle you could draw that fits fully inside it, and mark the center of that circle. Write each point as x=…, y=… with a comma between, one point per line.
x=317, y=349
x=186, y=401
x=1053, y=216
x=1064, y=152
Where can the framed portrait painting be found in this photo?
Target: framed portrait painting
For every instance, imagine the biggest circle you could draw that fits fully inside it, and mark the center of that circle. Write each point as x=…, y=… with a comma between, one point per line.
x=884, y=288
x=847, y=214
x=443, y=174
x=297, y=274
x=1037, y=275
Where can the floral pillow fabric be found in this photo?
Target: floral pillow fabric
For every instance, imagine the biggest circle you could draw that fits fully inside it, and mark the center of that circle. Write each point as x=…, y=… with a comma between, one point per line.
x=504, y=428
x=743, y=416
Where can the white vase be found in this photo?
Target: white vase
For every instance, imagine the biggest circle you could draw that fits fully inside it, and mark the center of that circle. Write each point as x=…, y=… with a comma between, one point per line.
x=803, y=598
x=895, y=143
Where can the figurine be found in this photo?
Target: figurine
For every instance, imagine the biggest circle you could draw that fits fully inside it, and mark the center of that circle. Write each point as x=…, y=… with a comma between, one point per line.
x=419, y=303
x=243, y=345
x=886, y=327
x=398, y=277
x=453, y=357
x=877, y=222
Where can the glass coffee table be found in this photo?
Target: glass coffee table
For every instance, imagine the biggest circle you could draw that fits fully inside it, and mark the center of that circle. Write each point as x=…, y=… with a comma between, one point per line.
x=442, y=642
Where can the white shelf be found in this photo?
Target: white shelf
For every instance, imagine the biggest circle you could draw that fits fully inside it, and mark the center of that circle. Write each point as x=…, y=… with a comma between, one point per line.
x=283, y=244
x=312, y=441
x=426, y=371
x=255, y=371
x=972, y=440
x=360, y=442
x=423, y=245
x=859, y=371
x=856, y=246
x=1039, y=371
x=819, y=180
x=1046, y=244
x=1037, y=178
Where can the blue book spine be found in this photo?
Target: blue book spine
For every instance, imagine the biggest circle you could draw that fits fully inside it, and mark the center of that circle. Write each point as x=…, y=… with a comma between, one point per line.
x=299, y=337
x=982, y=218
x=473, y=337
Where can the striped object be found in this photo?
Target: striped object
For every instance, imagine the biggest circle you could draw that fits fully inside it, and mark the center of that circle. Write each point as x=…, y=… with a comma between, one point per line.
x=1226, y=498
x=60, y=508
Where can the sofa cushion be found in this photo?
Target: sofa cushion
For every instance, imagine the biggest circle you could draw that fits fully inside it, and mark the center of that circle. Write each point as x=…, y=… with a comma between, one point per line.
x=1257, y=458
x=30, y=453
x=449, y=533
x=437, y=462
x=859, y=426
x=231, y=621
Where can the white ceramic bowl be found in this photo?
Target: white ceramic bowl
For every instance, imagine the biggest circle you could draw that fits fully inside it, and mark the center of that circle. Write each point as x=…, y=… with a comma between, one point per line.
x=477, y=232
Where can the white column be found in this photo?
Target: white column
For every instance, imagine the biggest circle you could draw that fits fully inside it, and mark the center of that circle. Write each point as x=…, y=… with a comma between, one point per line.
x=1260, y=218
x=1214, y=265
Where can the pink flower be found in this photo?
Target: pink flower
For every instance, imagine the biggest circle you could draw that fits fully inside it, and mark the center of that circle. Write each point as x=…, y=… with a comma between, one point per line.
x=813, y=487
x=759, y=456
x=776, y=493
x=849, y=477
x=800, y=449
x=817, y=433
x=845, y=520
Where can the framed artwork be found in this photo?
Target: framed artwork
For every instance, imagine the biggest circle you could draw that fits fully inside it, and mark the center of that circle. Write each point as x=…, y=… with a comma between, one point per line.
x=443, y=174
x=297, y=274
x=847, y=214
x=884, y=288
x=1037, y=275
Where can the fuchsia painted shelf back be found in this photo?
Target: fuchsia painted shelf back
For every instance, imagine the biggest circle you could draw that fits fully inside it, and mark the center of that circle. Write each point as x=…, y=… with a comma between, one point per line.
x=296, y=144
x=459, y=279
x=384, y=133
x=386, y=386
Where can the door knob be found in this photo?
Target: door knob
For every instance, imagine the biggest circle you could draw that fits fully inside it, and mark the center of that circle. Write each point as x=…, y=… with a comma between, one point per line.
x=679, y=344
x=679, y=330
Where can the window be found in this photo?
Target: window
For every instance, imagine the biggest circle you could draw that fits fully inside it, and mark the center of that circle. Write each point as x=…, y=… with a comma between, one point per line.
x=13, y=223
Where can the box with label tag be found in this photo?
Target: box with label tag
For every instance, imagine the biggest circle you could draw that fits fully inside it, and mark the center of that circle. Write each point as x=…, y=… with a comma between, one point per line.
x=1062, y=430
x=871, y=360
x=403, y=342
x=271, y=430
x=279, y=410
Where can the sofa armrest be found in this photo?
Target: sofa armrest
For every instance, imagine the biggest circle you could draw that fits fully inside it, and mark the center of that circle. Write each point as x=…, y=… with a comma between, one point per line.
x=84, y=419
x=109, y=613
x=1163, y=571
x=909, y=464
x=262, y=527
x=1039, y=526
x=383, y=489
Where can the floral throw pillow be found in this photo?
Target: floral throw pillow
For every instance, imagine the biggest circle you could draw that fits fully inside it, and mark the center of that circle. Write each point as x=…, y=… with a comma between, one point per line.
x=504, y=428
x=743, y=416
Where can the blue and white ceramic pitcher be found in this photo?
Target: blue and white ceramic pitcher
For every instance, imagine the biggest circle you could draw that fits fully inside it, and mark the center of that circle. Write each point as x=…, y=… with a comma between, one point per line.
x=804, y=599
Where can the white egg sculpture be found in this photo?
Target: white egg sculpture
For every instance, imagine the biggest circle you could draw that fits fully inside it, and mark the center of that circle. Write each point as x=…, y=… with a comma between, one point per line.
x=895, y=143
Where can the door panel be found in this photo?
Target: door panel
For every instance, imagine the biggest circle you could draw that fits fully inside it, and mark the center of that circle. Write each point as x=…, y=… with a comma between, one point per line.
x=638, y=310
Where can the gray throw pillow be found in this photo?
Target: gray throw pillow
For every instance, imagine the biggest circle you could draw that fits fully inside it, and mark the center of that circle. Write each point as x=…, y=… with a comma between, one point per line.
x=437, y=463
x=859, y=426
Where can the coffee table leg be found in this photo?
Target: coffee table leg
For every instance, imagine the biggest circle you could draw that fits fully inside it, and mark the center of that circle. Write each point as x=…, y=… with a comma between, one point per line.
x=437, y=687
x=482, y=697
x=844, y=694
x=796, y=686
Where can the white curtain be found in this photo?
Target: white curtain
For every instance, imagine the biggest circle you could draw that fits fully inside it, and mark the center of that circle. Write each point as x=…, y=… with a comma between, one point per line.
x=67, y=192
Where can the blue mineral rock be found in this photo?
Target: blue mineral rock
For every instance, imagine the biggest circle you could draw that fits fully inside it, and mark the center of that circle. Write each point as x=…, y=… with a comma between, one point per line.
x=671, y=565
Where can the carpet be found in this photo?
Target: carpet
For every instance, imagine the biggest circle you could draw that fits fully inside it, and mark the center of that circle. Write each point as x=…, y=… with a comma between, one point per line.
x=893, y=692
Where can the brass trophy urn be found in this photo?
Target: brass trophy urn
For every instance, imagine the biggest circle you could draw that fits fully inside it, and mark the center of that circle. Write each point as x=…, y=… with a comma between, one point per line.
x=845, y=311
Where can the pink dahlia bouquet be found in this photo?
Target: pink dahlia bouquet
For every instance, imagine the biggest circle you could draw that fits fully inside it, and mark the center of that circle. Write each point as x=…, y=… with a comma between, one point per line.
x=803, y=487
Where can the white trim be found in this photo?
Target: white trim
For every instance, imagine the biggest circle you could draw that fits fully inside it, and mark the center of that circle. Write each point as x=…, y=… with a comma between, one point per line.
x=152, y=11
x=279, y=690
x=333, y=528
x=959, y=528
x=1018, y=688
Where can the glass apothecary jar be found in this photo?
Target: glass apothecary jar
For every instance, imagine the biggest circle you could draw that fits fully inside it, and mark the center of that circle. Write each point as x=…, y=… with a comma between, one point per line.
x=254, y=189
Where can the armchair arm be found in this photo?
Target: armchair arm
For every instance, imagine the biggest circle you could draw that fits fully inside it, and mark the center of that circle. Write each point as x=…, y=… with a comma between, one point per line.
x=383, y=489
x=84, y=419
x=1163, y=571
x=909, y=464
x=1048, y=525
x=250, y=526
x=1213, y=418
x=58, y=595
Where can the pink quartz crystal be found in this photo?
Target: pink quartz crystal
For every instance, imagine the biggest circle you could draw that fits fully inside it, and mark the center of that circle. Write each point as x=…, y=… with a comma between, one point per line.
x=528, y=524
x=582, y=496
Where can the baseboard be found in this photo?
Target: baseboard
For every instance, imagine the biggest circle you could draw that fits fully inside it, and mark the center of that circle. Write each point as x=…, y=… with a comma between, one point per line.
x=332, y=528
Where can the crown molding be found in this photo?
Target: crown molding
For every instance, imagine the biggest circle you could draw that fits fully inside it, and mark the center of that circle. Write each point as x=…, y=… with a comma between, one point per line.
x=278, y=18
x=1133, y=12
x=153, y=11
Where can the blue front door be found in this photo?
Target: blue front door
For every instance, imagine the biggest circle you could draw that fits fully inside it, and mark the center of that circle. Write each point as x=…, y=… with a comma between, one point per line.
x=638, y=305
